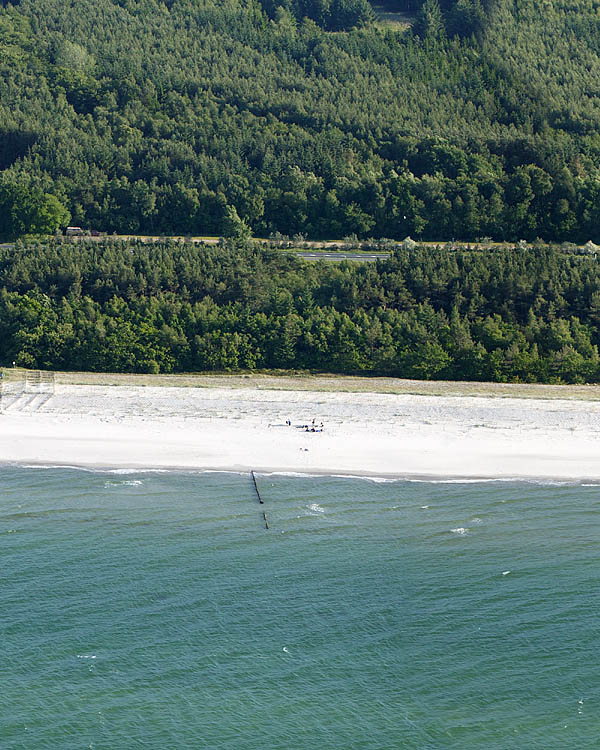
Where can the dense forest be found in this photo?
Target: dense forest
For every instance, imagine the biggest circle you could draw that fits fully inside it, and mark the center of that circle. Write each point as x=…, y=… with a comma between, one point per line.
x=518, y=314
x=244, y=117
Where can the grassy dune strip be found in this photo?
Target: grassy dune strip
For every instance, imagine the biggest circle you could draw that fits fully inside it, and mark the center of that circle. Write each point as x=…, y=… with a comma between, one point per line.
x=324, y=383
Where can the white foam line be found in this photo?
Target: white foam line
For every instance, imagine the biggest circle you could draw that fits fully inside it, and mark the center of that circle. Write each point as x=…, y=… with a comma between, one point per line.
x=292, y=474
x=88, y=469
x=368, y=478
x=306, y=475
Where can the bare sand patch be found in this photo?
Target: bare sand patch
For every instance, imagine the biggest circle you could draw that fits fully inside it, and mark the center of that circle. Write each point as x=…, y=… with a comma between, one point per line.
x=381, y=427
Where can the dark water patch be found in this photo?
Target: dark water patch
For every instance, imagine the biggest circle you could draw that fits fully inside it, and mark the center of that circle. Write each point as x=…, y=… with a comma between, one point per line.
x=171, y=614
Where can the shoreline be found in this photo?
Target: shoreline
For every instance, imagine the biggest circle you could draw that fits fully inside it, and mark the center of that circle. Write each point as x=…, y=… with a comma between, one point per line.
x=386, y=435
x=316, y=474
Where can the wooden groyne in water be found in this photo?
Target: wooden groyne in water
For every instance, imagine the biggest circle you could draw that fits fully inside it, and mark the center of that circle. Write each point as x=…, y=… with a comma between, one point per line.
x=260, y=500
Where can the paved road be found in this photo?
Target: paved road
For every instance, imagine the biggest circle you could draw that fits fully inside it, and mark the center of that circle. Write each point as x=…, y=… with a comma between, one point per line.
x=365, y=257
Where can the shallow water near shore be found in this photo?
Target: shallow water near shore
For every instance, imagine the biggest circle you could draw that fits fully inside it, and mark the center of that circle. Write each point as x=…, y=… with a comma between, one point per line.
x=154, y=609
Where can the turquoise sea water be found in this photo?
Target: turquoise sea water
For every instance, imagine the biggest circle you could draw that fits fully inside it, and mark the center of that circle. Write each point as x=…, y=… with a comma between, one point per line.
x=155, y=610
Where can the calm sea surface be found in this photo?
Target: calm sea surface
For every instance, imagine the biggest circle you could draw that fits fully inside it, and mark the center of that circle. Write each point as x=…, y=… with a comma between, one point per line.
x=155, y=610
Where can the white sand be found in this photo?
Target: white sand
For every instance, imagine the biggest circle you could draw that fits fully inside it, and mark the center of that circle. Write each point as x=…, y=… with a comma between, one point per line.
x=244, y=428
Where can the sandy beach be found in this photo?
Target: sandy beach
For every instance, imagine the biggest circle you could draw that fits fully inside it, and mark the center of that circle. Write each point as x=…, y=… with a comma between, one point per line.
x=244, y=427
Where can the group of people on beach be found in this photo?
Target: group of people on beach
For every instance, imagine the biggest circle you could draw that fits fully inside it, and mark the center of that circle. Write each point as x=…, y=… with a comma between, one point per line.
x=313, y=427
